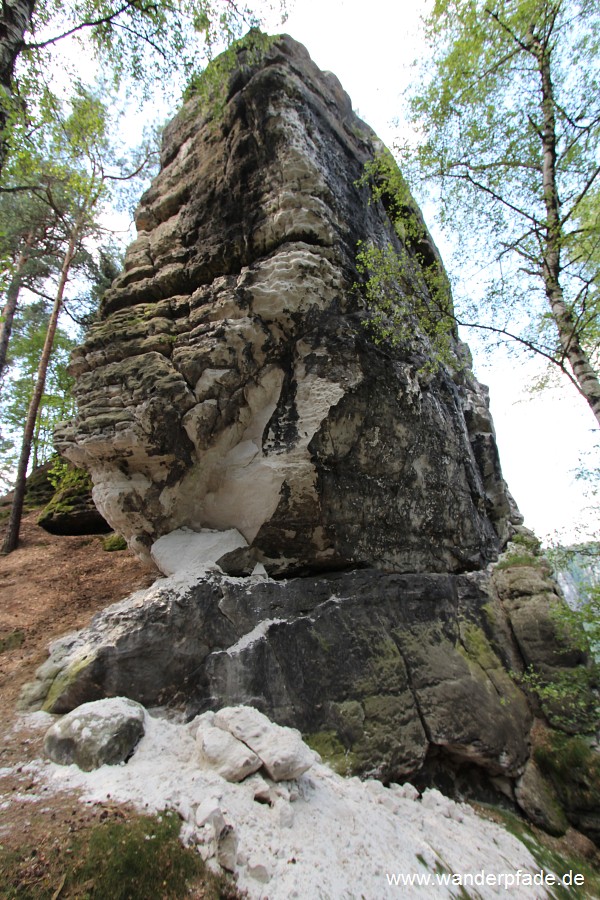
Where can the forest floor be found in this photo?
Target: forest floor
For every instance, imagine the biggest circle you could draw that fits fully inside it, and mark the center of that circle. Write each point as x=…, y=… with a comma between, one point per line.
x=49, y=586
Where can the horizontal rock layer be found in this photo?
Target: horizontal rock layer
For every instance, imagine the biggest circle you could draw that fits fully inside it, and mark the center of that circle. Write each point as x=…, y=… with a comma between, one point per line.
x=393, y=665
x=389, y=675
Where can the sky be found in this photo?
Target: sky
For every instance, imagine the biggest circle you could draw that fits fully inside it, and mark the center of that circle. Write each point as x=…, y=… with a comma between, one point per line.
x=543, y=437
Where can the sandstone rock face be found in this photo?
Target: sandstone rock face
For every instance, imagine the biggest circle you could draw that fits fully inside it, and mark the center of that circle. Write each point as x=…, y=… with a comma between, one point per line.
x=395, y=666
x=231, y=383
x=241, y=423
x=388, y=675
x=537, y=800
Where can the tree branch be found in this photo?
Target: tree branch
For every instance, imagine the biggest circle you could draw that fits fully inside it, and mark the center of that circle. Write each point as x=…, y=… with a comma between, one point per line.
x=466, y=176
x=529, y=345
x=589, y=183
x=104, y=20
x=525, y=47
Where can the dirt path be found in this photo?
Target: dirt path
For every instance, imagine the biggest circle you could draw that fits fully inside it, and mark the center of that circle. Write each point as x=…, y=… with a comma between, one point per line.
x=51, y=585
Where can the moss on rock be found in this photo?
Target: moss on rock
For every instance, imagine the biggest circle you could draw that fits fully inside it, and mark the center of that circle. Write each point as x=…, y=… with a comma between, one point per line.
x=71, y=509
x=114, y=542
x=572, y=766
x=65, y=679
x=332, y=751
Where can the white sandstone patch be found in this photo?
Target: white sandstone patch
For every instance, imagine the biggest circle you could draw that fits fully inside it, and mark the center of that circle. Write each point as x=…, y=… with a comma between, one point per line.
x=318, y=836
x=185, y=550
x=258, y=633
x=230, y=757
x=242, y=488
x=281, y=750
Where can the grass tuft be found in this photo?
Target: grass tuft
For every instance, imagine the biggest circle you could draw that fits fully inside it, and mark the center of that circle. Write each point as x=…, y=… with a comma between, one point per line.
x=132, y=859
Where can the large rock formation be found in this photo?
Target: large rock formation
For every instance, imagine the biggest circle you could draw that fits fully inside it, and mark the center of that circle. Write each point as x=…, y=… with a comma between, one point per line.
x=231, y=382
x=389, y=675
x=240, y=420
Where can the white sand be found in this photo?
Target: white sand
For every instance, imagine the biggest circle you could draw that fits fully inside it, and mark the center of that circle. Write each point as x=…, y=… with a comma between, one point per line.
x=324, y=836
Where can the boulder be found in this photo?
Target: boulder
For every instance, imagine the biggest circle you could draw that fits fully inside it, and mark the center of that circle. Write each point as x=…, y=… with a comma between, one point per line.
x=71, y=510
x=218, y=748
x=104, y=732
x=539, y=802
x=281, y=750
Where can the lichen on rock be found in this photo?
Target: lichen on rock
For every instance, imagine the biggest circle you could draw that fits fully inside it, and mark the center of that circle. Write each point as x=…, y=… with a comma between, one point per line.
x=104, y=732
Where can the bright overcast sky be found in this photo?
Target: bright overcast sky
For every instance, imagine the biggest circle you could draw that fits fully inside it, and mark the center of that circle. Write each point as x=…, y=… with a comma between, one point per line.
x=370, y=48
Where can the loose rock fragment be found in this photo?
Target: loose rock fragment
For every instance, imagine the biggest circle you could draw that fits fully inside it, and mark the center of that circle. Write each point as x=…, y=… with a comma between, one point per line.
x=97, y=733
x=281, y=750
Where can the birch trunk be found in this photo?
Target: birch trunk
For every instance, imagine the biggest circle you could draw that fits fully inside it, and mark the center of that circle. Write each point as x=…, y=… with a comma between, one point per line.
x=583, y=372
x=15, y=16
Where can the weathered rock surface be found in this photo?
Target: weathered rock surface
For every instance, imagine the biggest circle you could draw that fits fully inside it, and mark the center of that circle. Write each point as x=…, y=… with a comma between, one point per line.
x=406, y=675
x=237, y=741
x=239, y=421
x=230, y=757
x=72, y=511
x=282, y=751
x=231, y=383
x=104, y=732
x=392, y=664
x=539, y=802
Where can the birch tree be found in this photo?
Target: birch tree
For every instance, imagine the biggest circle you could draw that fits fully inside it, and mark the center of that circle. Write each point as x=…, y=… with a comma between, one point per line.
x=509, y=121
x=145, y=42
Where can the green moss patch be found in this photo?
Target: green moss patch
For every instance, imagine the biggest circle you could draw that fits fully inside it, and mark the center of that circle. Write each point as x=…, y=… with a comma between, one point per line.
x=211, y=84
x=135, y=859
x=478, y=647
x=572, y=767
x=331, y=750
x=543, y=849
x=64, y=680
x=12, y=641
x=514, y=559
x=114, y=542
x=39, y=487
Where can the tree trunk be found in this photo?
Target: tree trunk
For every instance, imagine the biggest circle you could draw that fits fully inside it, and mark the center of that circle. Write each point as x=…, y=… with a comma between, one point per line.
x=10, y=307
x=585, y=375
x=35, y=443
x=11, y=538
x=15, y=17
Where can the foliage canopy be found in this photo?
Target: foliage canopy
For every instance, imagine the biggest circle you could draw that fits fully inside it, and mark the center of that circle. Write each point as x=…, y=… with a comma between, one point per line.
x=509, y=121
